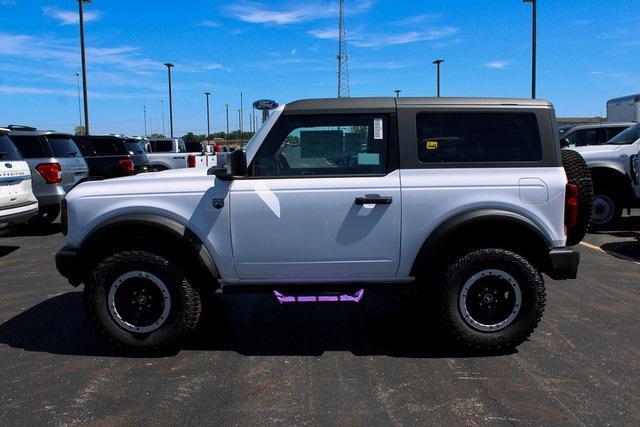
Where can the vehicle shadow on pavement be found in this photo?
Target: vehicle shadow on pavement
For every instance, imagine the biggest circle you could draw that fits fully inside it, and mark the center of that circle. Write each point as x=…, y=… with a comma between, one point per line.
x=6, y=250
x=35, y=230
x=250, y=325
x=628, y=249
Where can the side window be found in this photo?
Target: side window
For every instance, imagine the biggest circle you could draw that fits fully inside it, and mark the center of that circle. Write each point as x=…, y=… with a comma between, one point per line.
x=329, y=145
x=459, y=137
x=30, y=146
x=584, y=137
x=613, y=131
x=182, y=148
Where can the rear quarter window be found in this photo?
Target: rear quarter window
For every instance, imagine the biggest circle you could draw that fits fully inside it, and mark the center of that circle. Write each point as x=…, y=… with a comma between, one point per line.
x=8, y=151
x=63, y=146
x=30, y=146
x=460, y=137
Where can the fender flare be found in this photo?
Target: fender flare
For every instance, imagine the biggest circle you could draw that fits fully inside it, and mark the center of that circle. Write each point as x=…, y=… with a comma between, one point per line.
x=473, y=217
x=163, y=223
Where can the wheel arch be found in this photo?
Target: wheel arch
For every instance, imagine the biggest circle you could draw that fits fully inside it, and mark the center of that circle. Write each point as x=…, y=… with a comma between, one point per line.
x=611, y=176
x=482, y=228
x=153, y=230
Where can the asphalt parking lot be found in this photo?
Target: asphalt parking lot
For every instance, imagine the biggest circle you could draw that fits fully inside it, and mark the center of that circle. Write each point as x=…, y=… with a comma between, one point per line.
x=369, y=364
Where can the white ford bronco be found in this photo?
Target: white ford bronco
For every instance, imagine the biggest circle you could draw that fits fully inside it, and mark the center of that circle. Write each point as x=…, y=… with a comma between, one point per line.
x=333, y=198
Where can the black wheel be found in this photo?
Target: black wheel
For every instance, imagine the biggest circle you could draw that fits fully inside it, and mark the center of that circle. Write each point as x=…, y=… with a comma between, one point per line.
x=491, y=299
x=46, y=215
x=607, y=208
x=142, y=301
x=578, y=173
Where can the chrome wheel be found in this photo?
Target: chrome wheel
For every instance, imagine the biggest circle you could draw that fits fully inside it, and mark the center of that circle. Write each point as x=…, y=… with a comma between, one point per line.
x=490, y=300
x=139, y=302
x=603, y=209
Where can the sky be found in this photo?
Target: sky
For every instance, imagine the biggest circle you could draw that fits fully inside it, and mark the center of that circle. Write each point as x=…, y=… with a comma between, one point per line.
x=588, y=52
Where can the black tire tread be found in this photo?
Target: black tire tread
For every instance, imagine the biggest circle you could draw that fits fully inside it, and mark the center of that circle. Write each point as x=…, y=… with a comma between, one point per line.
x=578, y=173
x=193, y=304
x=497, y=345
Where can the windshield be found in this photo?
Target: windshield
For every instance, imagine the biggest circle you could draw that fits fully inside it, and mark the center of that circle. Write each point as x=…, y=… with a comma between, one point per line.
x=8, y=151
x=629, y=136
x=135, y=147
x=63, y=146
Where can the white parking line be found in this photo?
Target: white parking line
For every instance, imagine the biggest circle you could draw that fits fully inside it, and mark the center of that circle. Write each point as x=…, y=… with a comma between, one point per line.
x=599, y=249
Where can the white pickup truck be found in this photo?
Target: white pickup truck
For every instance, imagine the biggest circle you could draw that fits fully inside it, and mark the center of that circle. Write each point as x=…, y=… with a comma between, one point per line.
x=462, y=200
x=174, y=153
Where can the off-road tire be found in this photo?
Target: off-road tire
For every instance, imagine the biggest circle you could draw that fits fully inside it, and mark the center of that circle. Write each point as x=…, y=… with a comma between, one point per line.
x=185, y=301
x=578, y=173
x=531, y=285
x=46, y=215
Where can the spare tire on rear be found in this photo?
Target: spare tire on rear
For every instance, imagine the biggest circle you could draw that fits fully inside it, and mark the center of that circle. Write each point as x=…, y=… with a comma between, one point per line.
x=578, y=173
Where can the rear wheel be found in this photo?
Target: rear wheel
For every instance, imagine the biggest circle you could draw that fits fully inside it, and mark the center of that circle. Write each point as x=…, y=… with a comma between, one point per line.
x=491, y=299
x=578, y=173
x=607, y=208
x=141, y=300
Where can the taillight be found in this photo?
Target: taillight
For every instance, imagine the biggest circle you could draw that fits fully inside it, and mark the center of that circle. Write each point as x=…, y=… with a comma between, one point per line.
x=127, y=165
x=51, y=172
x=191, y=161
x=572, y=193
x=64, y=217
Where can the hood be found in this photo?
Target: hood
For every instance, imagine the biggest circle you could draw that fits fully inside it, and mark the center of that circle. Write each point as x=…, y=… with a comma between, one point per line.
x=171, y=181
x=605, y=148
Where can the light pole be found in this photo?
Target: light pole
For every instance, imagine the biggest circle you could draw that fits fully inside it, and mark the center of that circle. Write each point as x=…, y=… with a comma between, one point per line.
x=438, y=62
x=227, y=108
x=208, y=116
x=533, y=45
x=162, y=106
x=144, y=108
x=84, y=65
x=397, y=91
x=169, y=66
x=79, y=101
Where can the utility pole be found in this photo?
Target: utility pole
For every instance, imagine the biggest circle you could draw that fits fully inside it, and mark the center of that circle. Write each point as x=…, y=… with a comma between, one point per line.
x=162, y=106
x=227, y=108
x=150, y=125
x=438, y=62
x=84, y=65
x=144, y=108
x=79, y=101
x=208, y=116
x=534, y=43
x=169, y=66
x=397, y=91
x=241, y=120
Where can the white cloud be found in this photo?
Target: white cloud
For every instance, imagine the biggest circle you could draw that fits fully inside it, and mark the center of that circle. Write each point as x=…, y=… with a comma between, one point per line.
x=70, y=17
x=8, y=3
x=259, y=13
x=70, y=93
x=209, y=23
x=498, y=64
x=418, y=19
x=361, y=40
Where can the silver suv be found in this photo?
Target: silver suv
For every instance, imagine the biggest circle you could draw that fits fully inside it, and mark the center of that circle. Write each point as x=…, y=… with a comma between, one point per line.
x=56, y=166
x=581, y=135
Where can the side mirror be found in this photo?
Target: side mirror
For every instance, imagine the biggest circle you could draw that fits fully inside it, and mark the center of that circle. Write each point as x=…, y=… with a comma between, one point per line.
x=236, y=166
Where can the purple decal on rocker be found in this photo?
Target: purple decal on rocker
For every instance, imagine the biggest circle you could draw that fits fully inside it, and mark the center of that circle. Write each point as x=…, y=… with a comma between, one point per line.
x=285, y=299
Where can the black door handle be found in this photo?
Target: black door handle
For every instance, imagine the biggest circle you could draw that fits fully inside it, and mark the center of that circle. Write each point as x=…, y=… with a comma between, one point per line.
x=373, y=199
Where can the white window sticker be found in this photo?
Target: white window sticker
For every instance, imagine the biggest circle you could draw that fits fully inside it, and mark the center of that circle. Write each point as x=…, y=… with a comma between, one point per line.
x=377, y=129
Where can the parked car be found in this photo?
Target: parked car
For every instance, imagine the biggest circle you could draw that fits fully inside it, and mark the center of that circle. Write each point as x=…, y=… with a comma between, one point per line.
x=615, y=174
x=17, y=201
x=56, y=166
x=580, y=135
x=168, y=153
x=464, y=197
x=108, y=156
x=198, y=154
x=624, y=109
x=138, y=150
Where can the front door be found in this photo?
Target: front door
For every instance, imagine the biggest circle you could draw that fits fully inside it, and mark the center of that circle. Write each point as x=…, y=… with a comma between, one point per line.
x=321, y=202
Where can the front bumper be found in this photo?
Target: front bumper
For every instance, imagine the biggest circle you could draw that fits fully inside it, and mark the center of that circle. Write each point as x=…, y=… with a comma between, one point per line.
x=563, y=264
x=70, y=264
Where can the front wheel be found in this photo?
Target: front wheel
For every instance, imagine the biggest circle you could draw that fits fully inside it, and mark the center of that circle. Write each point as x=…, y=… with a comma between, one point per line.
x=142, y=301
x=491, y=299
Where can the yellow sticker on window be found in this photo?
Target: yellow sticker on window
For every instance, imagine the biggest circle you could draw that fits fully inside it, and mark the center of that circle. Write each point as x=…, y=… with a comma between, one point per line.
x=432, y=145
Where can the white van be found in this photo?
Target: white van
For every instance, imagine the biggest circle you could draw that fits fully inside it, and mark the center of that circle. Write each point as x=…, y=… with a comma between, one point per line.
x=17, y=202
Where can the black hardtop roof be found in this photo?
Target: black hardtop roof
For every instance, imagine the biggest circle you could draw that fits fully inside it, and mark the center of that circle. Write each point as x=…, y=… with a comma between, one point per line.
x=382, y=103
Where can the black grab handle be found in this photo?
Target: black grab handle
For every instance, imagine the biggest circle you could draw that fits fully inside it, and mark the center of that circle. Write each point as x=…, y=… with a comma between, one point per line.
x=374, y=200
